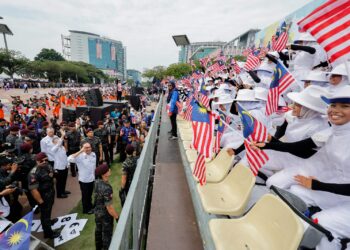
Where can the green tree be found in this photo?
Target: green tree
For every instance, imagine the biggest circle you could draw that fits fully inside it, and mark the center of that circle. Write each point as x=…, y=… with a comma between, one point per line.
x=12, y=62
x=157, y=72
x=178, y=70
x=240, y=58
x=50, y=55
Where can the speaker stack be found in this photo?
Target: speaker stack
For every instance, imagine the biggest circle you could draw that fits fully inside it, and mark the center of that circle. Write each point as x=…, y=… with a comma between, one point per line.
x=93, y=98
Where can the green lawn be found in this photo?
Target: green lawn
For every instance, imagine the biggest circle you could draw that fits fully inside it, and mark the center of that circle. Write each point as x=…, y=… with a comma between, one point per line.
x=86, y=240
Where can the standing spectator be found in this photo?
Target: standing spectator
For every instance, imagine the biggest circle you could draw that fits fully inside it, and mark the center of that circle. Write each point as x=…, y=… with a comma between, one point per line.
x=112, y=132
x=172, y=99
x=46, y=144
x=25, y=86
x=128, y=170
x=104, y=211
x=119, y=91
x=125, y=139
x=102, y=133
x=95, y=143
x=60, y=166
x=72, y=144
x=40, y=181
x=13, y=136
x=86, y=163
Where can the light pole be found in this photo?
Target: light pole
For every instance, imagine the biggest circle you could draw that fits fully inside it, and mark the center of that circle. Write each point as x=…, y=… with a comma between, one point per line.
x=5, y=30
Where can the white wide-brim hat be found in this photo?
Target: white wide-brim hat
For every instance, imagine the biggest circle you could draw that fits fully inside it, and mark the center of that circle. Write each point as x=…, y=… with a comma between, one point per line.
x=262, y=94
x=306, y=36
x=339, y=70
x=341, y=96
x=265, y=67
x=246, y=95
x=310, y=98
x=315, y=76
x=224, y=99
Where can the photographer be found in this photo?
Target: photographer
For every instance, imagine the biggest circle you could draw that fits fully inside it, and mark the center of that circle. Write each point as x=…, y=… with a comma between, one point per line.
x=7, y=180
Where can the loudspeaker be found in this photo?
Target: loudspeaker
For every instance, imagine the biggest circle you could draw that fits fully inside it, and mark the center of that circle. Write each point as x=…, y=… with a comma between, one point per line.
x=93, y=98
x=69, y=115
x=135, y=102
x=136, y=91
x=96, y=113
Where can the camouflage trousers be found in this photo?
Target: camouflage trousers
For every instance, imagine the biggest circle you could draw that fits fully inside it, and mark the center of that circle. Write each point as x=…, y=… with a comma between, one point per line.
x=103, y=231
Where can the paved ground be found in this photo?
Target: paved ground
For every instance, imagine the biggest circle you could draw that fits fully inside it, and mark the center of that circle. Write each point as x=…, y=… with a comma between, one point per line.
x=172, y=220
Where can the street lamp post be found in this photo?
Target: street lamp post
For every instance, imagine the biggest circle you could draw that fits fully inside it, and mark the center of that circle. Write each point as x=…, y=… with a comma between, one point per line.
x=5, y=30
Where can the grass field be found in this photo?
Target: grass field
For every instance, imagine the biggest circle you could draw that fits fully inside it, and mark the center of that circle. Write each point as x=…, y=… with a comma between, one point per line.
x=86, y=240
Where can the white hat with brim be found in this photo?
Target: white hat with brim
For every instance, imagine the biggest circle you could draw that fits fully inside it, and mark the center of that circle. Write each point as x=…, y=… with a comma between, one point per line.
x=246, y=95
x=274, y=53
x=341, y=96
x=315, y=76
x=310, y=98
x=339, y=70
x=224, y=99
x=262, y=94
x=306, y=37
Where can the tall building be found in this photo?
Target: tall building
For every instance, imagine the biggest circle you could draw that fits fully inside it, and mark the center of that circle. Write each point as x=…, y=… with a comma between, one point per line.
x=104, y=53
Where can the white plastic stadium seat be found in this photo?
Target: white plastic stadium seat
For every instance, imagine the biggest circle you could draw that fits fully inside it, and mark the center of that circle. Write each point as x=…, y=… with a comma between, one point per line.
x=191, y=155
x=269, y=225
x=218, y=168
x=186, y=136
x=230, y=196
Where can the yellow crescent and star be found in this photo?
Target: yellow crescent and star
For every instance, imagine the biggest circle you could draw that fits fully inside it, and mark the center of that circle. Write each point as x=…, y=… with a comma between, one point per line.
x=16, y=237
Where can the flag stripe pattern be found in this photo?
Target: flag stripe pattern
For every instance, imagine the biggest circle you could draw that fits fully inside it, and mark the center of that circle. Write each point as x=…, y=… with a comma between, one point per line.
x=281, y=42
x=252, y=62
x=199, y=170
x=330, y=25
x=253, y=130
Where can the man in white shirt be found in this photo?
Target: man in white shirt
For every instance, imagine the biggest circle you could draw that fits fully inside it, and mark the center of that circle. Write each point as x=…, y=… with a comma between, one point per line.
x=60, y=166
x=46, y=145
x=86, y=163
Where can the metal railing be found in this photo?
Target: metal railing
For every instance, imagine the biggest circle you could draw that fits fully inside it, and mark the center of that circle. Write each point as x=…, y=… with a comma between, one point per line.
x=129, y=231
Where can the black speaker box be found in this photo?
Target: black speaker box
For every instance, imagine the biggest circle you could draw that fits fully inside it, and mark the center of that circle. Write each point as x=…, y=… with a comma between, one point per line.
x=136, y=91
x=96, y=113
x=69, y=115
x=93, y=98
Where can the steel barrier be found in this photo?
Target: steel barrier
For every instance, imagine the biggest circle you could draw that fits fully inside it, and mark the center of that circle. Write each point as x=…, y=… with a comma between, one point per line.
x=129, y=230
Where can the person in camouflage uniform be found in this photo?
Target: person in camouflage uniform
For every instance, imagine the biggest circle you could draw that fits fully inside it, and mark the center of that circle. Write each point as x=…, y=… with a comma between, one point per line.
x=102, y=133
x=95, y=143
x=13, y=136
x=128, y=170
x=72, y=142
x=104, y=211
x=41, y=184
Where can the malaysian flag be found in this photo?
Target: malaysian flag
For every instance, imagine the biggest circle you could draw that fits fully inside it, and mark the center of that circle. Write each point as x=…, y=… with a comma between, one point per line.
x=252, y=62
x=204, y=61
x=203, y=130
x=186, y=81
x=204, y=100
x=197, y=74
x=247, y=52
x=220, y=132
x=253, y=131
x=281, y=80
x=280, y=39
x=188, y=112
x=330, y=25
x=217, y=67
x=200, y=170
x=236, y=67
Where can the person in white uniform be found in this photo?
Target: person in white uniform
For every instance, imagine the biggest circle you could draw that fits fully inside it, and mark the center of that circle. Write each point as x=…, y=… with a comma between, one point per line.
x=46, y=145
x=338, y=78
x=60, y=166
x=86, y=163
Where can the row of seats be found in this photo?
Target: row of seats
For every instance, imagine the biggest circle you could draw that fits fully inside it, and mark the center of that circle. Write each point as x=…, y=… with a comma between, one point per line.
x=269, y=224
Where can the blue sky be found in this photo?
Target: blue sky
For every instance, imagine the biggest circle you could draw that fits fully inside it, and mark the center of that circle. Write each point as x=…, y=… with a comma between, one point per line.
x=145, y=27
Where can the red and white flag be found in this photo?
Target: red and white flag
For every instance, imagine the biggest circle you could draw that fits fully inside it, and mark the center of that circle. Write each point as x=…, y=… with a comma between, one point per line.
x=330, y=25
x=252, y=62
x=200, y=170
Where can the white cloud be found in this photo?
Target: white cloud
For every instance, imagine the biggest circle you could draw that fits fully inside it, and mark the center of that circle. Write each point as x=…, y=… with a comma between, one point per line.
x=144, y=26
